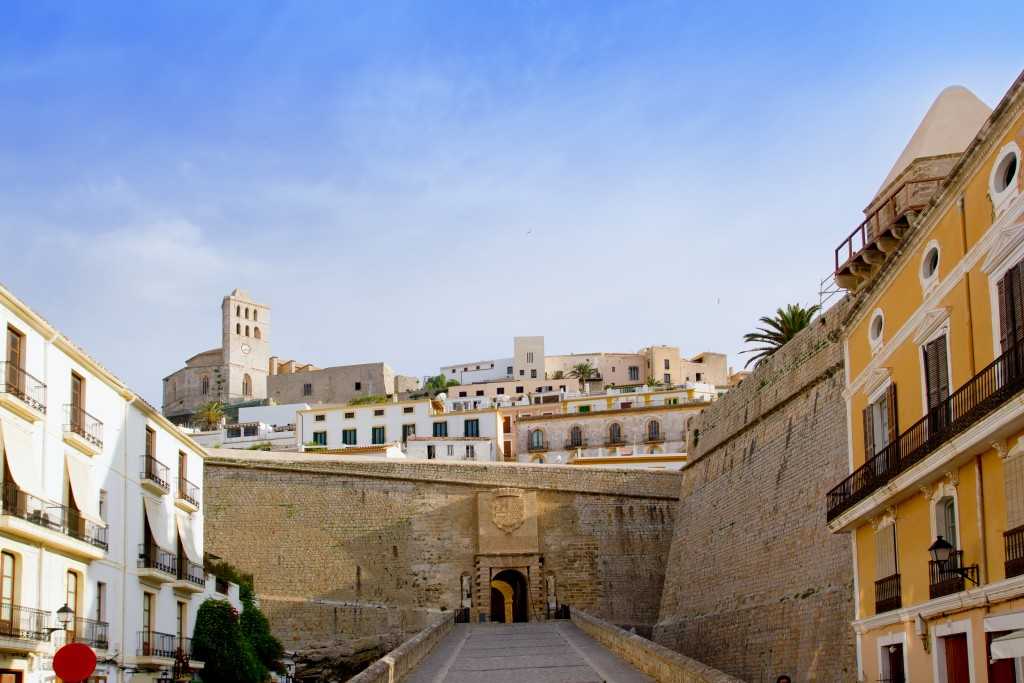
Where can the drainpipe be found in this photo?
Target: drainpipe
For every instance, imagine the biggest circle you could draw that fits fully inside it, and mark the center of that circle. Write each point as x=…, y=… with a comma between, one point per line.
x=967, y=283
x=979, y=497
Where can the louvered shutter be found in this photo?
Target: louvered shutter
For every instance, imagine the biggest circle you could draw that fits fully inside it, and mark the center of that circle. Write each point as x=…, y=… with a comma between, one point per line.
x=894, y=427
x=937, y=372
x=1005, y=310
x=869, y=434
x=885, y=551
x=1017, y=292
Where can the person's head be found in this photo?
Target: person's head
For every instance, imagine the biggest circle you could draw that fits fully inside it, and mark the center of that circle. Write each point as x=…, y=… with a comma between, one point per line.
x=783, y=679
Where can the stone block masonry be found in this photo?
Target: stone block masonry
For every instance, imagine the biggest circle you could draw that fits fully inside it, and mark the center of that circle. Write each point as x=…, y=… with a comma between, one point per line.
x=756, y=585
x=341, y=549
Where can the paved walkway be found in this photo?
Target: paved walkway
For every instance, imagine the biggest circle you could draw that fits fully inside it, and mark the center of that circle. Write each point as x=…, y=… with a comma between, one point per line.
x=550, y=652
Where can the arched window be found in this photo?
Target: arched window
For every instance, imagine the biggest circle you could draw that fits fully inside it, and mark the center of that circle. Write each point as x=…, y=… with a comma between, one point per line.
x=537, y=439
x=615, y=433
x=238, y=328
x=247, y=386
x=246, y=330
x=205, y=385
x=238, y=311
x=247, y=313
x=254, y=314
x=256, y=333
x=576, y=437
x=653, y=430
x=71, y=598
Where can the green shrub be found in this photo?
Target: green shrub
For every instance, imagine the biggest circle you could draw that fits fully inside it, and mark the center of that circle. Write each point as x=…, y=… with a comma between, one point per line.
x=256, y=629
x=219, y=643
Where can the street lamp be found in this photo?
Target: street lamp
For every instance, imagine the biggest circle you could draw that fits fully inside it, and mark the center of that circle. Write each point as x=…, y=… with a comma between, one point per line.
x=942, y=553
x=64, y=616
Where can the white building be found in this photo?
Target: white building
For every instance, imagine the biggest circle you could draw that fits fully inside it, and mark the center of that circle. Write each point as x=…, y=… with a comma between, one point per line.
x=421, y=428
x=259, y=427
x=101, y=514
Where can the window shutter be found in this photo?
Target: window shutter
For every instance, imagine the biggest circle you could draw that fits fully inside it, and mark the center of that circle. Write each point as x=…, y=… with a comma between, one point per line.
x=894, y=428
x=885, y=551
x=1017, y=295
x=937, y=371
x=869, y=434
x=943, y=366
x=1005, y=309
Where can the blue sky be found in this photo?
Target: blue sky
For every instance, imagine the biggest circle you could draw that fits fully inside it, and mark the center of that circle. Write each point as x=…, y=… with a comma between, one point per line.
x=418, y=182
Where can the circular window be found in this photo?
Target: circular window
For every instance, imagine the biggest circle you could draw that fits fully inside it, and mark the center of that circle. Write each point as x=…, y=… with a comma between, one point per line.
x=877, y=325
x=930, y=265
x=1006, y=172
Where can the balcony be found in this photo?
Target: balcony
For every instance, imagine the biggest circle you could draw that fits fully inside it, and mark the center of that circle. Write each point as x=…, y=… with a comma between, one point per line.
x=191, y=576
x=1013, y=541
x=82, y=430
x=156, y=564
x=52, y=524
x=188, y=496
x=980, y=396
x=23, y=628
x=573, y=444
x=613, y=441
x=153, y=475
x=21, y=393
x=655, y=438
x=887, y=594
x=537, y=447
x=946, y=578
x=880, y=234
x=156, y=648
x=93, y=633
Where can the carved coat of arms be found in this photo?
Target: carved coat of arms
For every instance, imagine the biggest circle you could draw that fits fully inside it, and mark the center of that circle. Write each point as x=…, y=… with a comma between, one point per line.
x=508, y=510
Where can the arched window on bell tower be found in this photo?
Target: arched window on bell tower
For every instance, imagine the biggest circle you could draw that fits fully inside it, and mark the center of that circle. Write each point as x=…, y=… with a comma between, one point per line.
x=246, y=385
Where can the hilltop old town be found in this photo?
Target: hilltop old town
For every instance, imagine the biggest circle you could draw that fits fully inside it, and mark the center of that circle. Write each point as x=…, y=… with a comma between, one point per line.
x=848, y=507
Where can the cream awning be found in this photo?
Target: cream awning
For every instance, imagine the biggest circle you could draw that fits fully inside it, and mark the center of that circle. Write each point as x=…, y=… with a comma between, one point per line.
x=16, y=443
x=188, y=541
x=1009, y=646
x=158, y=522
x=87, y=497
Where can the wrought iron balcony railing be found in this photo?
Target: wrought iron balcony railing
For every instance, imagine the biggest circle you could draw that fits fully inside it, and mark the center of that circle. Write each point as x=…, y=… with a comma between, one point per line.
x=23, y=386
x=191, y=572
x=188, y=491
x=615, y=441
x=155, y=471
x=156, y=644
x=534, y=447
x=1013, y=541
x=54, y=516
x=978, y=397
x=79, y=422
x=572, y=444
x=946, y=578
x=24, y=623
x=93, y=633
x=152, y=556
x=887, y=594
x=655, y=438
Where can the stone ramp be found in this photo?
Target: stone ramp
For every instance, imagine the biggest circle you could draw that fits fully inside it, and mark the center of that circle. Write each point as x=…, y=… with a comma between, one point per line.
x=547, y=652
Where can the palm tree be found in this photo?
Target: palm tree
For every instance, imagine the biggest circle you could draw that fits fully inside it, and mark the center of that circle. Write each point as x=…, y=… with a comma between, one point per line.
x=653, y=383
x=209, y=415
x=583, y=372
x=438, y=383
x=778, y=330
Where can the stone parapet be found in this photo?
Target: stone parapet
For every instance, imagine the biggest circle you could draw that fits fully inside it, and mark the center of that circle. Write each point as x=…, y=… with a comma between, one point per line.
x=395, y=665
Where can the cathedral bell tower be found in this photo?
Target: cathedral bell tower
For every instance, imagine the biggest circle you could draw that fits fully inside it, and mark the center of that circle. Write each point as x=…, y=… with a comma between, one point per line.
x=246, y=347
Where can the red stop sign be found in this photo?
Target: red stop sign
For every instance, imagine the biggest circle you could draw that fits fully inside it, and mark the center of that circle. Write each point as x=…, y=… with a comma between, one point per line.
x=74, y=662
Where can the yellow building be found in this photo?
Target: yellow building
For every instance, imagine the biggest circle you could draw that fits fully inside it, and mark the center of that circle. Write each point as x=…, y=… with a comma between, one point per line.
x=935, y=371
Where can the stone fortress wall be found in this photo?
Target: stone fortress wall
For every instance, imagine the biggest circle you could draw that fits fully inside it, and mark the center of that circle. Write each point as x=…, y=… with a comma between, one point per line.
x=756, y=584
x=353, y=548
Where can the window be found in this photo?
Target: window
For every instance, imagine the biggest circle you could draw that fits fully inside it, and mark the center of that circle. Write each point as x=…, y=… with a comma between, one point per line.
x=182, y=624
x=880, y=423
x=885, y=552
x=634, y=373
x=407, y=409
x=1004, y=173
x=348, y=437
x=147, y=616
x=254, y=315
x=359, y=386
x=350, y=416
x=667, y=366
x=501, y=390
x=529, y=356
x=319, y=418
x=431, y=454
x=462, y=394
x=246, y=385
x=698, y=377
x=440, y=429
x=875, y=329
x=653, y=430
x=247, y=313
x=533, y=374
x=320, y=438
x=936, y=366
x=576, y=437
x=615, y=433
x=519, y=390
x=182, y=466
x=537, y=439
x=451, y=450
x=1010, y=291
x=246, y=330
x=471, y=428
x=583, y=409
x=150, y=442
x=407, y=431
x=238, y=328
x=930, y=263
x=522, y=373
x=479, y=392
x=103, y=505
x=508, y=370
x=377, y=436
x=892, y=663
x=945, y=520
x=506, y=424
x=238, y=311
x=7, y=587
x=205, y=388
x=71, y=596
x=77, y=402
x=378, y=412
x=101, y=602
x=256, y=333
x=666, y=378
x=470, y=452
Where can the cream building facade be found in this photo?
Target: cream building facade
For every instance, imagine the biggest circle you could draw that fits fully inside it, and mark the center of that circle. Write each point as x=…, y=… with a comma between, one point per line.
x=102, y=515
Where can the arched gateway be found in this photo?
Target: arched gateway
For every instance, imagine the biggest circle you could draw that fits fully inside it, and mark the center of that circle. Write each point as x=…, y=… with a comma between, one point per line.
x=509, y=597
